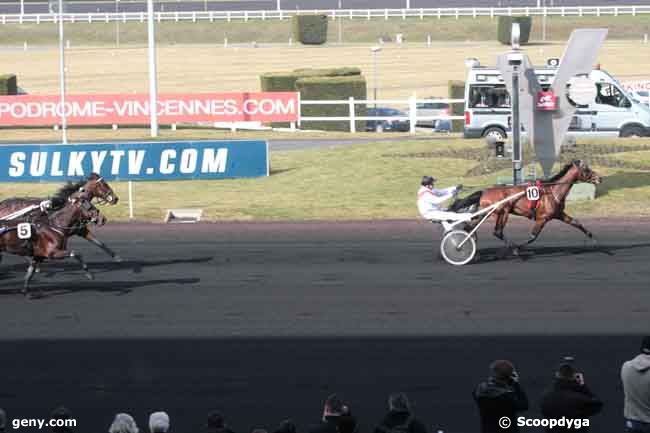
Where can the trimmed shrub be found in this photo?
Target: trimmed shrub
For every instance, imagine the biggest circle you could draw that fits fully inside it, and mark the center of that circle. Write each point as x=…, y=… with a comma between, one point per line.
x=8, y=84
x=504, y=29
x=310, y=29
x=332, y=88
x=456, y=90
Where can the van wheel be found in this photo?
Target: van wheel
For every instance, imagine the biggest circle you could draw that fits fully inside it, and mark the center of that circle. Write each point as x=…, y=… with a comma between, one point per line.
x=496, y=132
x=632, y=131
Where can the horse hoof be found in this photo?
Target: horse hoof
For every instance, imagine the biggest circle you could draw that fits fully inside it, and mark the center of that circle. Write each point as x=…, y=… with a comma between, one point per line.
x=36, y=295
x=515, y=251
x=90, y=276
x=37, y=270
x=118, y=259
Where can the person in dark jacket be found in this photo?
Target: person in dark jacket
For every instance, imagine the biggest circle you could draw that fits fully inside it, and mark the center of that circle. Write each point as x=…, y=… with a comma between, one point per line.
x=570, y=398
x=500, y=396
x=332, y=411
x=400, y=418
x=217, y=424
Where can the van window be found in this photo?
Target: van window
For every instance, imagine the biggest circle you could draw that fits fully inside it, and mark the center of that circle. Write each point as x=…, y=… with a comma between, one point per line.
x=609, y=94
x=489, y=97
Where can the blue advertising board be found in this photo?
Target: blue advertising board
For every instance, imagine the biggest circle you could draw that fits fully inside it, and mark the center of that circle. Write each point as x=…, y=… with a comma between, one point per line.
x=155, y=160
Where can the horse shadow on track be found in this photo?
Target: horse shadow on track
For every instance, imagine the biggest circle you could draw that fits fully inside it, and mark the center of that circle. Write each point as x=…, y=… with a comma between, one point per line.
x=117, y=287
x=49, y=269
x=488, y=255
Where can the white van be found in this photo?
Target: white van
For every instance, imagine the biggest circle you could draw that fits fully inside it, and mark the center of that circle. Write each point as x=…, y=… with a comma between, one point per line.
x=613, y=113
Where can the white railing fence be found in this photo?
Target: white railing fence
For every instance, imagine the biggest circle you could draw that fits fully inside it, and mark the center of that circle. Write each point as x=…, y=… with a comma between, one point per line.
x=411, y=112
x=421, y=13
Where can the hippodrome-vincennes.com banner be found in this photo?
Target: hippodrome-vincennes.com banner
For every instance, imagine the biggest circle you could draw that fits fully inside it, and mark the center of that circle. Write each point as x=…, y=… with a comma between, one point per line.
x=124, y=109
x=175, y=160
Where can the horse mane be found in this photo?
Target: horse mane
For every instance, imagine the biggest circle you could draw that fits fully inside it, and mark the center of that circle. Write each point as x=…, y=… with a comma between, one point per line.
x=61, y=196
x=560, y=173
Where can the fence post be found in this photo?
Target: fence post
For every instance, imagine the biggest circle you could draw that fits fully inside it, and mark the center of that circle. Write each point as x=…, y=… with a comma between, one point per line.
x=353, y=124
x=299, y=112
x=386, y=14
x=413, y=115
x=130, y=200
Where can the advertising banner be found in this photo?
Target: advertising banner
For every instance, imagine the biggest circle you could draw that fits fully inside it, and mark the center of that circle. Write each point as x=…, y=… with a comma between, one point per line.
x=121, y=109
x=175, y=160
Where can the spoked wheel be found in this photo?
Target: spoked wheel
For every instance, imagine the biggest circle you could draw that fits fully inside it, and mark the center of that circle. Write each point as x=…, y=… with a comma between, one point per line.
x=457, y=248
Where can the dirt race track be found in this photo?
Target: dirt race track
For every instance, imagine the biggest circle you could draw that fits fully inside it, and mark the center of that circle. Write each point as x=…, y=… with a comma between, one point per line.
x=264, y=320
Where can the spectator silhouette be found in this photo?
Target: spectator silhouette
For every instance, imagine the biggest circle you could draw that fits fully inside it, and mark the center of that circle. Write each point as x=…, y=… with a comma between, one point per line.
x=217, y=423
x=635, y=375
x=400, y=418
x=123, y=423
x=286, y=426
x=61, y=413
x=569, y=397
x=3, y=420
x=332, y=411
x=500, y=396
x=159, y=422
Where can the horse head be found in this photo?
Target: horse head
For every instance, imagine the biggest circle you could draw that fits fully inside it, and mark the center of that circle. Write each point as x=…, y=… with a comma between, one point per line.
x=96, y=186
x=585, y=173
x=87, y=211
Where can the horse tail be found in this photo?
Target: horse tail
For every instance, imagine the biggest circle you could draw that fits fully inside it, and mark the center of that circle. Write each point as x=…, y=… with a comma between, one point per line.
x=464, y=203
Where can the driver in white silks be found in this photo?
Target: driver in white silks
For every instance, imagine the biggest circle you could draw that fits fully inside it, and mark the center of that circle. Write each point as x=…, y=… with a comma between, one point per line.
x=430, y=199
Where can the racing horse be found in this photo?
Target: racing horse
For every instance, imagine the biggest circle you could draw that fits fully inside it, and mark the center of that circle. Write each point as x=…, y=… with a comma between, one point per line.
x=550, y=206
x=93, y=187
x=46, y=237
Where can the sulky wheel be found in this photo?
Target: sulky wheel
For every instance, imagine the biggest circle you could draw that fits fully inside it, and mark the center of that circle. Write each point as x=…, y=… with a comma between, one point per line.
x=452, y=253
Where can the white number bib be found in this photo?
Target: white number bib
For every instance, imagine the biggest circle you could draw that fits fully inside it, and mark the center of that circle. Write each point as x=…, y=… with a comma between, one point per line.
x=24, y=231
x=532, y=193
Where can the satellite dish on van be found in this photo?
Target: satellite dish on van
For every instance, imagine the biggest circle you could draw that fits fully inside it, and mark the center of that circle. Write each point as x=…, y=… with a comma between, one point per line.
x=582, y=90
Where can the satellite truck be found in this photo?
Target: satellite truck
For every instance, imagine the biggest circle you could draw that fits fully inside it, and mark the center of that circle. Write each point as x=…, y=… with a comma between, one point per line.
x=613, y=113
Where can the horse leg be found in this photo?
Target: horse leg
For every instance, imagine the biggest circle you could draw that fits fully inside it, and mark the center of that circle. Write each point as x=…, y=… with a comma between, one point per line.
x=83, y=264
x=28, y=277
x=92, y=239
x=575, y=223
x=502, y=219
x=537, y=229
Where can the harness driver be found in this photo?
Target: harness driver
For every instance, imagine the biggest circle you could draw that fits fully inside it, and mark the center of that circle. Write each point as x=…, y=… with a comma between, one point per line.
x=430, y=200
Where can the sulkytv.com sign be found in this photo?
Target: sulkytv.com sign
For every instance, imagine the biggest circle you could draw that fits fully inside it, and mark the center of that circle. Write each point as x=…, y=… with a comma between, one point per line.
x=120, y=109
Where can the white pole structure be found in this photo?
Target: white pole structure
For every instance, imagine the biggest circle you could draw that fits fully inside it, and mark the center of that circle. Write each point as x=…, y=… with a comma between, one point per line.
x=117, y=24
x=374, y=50
x=22, y=7
x=153, y=97
x=278, y=5
x=64, y=129
x=130, y=200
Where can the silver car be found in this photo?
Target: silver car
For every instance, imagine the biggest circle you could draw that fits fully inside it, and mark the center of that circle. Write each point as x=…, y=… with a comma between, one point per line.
x=431, y=108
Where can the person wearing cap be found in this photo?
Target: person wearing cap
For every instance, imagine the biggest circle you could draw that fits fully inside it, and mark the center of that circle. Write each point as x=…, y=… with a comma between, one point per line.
x=635, y=375
x=569, y=397
x=500, y=396
x=332, y=411
x=159, y=422
x=430, y=199
x=400, y=417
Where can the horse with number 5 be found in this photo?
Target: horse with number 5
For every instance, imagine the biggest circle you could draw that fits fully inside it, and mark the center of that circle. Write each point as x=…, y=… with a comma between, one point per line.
x=551, y=195
x=92, y=187
x=46, y=237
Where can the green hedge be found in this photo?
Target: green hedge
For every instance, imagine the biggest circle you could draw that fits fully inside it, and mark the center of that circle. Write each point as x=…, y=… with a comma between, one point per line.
x=310, y=29
x=504, y=29
x=287, y=82
x=8, y=84
x=332, y=88
x=456, y=90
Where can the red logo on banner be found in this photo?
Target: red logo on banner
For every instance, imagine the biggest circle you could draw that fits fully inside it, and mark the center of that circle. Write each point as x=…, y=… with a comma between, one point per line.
x=26, y=110
x=546, y=100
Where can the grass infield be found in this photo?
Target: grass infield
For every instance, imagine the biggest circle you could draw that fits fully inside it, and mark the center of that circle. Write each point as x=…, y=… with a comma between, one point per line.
x=365, y=181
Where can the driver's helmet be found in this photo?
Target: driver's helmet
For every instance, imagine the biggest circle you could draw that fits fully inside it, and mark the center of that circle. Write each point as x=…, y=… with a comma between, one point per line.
x=427, y=180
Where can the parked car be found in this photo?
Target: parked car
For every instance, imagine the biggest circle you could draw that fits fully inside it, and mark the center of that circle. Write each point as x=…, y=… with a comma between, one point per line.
x=641, y=96
x=432, y=108
x=381, y=125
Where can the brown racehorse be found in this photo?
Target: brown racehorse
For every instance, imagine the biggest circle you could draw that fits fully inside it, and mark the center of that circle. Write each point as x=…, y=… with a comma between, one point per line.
x=93, y=187
x=551, y=203
x=47, y=237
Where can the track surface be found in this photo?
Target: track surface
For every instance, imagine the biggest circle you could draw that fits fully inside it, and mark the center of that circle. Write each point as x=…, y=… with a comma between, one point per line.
x=264, y=320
